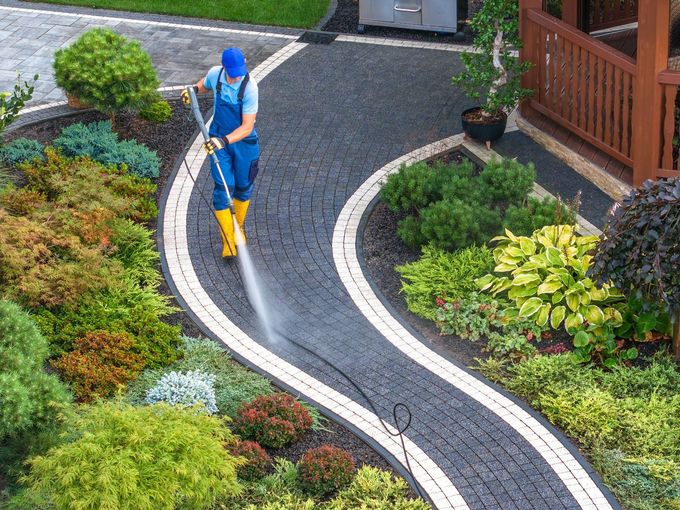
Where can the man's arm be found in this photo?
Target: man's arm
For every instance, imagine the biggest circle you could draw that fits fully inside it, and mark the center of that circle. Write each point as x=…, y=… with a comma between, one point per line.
x=200, y=87
x=246, y=127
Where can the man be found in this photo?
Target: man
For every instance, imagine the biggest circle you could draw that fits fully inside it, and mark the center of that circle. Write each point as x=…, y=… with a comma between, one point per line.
x=233, y=138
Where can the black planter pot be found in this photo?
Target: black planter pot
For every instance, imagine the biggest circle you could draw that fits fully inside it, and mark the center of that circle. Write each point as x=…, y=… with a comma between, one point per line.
x=485, y=133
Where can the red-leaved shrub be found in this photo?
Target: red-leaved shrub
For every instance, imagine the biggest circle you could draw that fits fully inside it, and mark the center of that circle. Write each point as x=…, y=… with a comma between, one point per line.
x=272, y=420
x=257, y=460
x=100, y=363
x=325, y=469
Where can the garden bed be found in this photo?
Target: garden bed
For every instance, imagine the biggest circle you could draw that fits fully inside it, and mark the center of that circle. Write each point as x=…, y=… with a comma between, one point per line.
x=169, y=140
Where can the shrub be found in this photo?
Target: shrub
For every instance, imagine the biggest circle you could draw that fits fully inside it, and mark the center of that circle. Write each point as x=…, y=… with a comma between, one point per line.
x=257, y=460
x=377, y=490
x=548, y=281
x=135, y=157
x=640, y=248
x=325, y=469
x=471, y=317
x=29, y=397
x=91, y=140
x=99, y=142
x=107, y=71
x=20, y=150
x=234, y=384
x=454, y=206
x=523, y=221
x=640, y=483
x=135, y=248
x=124, y=457
x=11, y=103
x=43, y=266
x=185, y=389
x=272, y=420
x=158, y=111
x=438, y=274
x=100, y=363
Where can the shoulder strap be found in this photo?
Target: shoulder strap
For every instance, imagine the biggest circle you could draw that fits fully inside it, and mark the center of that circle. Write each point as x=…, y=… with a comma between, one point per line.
x=219, y=81
x=242, y=88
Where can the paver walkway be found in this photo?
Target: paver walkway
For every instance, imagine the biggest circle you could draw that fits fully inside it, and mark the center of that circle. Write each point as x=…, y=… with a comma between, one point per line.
x=180, y=48
x=331, y=116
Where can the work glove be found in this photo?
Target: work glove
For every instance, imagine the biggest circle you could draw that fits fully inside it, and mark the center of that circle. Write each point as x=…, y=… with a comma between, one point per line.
x=215, y=144
x=186, y=98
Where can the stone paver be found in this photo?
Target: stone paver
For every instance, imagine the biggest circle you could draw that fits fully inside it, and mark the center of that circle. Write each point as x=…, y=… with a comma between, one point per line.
x=331, y=116
x=180, y=49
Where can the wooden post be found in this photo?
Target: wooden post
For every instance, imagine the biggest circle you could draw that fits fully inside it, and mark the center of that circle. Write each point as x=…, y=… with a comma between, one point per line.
x=529, y=51
x=652, y=58
x=570, y=12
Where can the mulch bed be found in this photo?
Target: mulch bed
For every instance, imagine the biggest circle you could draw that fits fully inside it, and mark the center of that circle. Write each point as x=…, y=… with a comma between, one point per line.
x=346, y=18
x=383, y=250
x=169, y=140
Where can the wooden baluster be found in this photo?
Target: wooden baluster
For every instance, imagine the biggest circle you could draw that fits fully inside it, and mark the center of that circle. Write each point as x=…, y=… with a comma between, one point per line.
x=559, y=64
x=618, y=102
x=671, y=92
x=601, y=97
x=542, y=55
x=626, y=94
x=583, y=87
x=592, y=84
x=567, y=103
x=609, y=101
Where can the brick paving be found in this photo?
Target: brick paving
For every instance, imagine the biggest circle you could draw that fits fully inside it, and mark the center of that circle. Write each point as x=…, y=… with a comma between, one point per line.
x=330, y=117
x=180, y=48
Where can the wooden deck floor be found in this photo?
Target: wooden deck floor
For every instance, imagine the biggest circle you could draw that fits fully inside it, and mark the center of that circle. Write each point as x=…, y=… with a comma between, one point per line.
x=583, y=148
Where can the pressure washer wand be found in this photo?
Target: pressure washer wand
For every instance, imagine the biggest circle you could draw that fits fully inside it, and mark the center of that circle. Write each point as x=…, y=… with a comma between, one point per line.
x=206, y=136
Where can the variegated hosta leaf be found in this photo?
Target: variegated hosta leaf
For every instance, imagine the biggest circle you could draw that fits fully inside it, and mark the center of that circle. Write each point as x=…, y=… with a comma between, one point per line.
x=554, y=256
x=543, y=315
x=573, y=322
x=594, y=315
x=527, y=246
x=530, y=307
x=557, y=316
x=485, y=281
x=557, y=297
x=573, y=301
x=526, y=279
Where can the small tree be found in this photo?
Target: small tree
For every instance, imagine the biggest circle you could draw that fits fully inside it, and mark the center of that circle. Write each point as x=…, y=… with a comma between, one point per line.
x=107, y=71
x=492, y=69
x=11, y=103
x=640, y=249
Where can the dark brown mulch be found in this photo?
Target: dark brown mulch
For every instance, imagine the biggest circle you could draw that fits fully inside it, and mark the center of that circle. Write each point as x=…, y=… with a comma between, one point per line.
x=346, y=18
x=382, y=251
x=169, y=140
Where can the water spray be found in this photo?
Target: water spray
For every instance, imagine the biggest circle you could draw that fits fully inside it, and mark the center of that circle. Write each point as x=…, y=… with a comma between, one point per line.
x=256, y=300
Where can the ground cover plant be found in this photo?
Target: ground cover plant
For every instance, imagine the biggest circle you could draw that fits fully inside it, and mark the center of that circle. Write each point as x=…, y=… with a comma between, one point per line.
x=288, y=13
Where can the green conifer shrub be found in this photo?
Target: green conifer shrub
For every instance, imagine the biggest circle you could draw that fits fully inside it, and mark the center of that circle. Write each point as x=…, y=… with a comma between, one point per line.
x=107, y=71
x=159, y=111
x=29, y=398
x=122, y=457
x=20, y=150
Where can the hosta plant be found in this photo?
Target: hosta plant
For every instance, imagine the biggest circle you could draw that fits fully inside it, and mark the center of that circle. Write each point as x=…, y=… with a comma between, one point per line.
x=545, y=276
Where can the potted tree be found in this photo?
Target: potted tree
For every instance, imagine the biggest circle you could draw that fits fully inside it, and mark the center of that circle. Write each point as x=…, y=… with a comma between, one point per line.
x=492, y=70
x=640, y=253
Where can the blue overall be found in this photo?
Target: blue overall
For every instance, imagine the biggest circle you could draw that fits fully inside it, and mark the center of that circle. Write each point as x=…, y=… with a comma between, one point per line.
x=239, y=160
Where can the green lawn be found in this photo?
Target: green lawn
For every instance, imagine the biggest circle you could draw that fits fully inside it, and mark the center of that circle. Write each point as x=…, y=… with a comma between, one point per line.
x=286, y=13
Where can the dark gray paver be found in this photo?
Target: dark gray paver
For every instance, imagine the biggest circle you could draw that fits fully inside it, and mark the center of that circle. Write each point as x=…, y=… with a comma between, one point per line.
x=329, y=118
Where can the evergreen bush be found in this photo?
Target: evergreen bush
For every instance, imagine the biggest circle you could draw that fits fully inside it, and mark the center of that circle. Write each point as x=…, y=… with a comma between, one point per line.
x=453, y=206
x=185, y=389
x=138, y=458
x=97, y=141
x=107, y=71
x=100, y=364
x=159, y=111
x=524, y=220
x=29, y=398
x=21, y=150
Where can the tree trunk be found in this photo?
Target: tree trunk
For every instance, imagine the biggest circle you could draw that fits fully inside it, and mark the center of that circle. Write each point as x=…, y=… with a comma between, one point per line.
x=112, y=116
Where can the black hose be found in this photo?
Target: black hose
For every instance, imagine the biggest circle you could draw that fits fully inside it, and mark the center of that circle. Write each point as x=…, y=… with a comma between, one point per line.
x=400, y=429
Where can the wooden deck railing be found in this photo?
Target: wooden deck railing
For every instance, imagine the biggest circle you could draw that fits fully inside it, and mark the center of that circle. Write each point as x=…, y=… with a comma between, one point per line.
x=582, y=84
x=611, y=13
x=670, y=138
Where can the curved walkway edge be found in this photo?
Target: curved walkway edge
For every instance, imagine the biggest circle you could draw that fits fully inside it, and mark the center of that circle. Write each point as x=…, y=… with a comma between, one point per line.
x=345, y=253
x=180, y=273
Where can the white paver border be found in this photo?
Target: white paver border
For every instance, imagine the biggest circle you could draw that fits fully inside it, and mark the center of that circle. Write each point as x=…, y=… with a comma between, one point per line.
x=427, y=474
x=582, y=487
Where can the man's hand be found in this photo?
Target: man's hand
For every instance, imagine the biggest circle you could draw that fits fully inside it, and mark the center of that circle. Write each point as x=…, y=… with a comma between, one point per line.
x=215, y=144
x=186, y=98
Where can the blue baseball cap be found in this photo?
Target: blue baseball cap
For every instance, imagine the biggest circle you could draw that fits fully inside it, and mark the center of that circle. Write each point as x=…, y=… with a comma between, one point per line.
x=234, y=62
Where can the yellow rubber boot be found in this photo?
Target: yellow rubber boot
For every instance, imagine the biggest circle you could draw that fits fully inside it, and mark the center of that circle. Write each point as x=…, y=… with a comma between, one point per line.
x=227, y=231
x=241, y=208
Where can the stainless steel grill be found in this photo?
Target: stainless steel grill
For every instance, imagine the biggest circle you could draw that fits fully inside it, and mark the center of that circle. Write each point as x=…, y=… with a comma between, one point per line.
x=434, y=15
